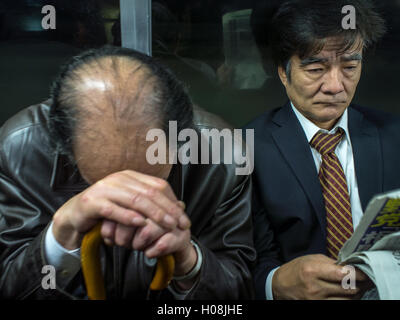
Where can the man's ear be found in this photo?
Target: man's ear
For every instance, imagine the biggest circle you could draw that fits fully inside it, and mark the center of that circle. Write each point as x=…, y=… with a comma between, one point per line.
x=282, y=75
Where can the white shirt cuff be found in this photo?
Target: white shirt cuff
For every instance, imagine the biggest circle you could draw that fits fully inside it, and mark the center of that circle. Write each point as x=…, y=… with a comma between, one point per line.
x=66, y=262
x=268, y=285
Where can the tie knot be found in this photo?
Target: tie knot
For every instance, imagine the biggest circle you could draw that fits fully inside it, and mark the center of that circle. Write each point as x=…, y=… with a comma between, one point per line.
x=326, y=143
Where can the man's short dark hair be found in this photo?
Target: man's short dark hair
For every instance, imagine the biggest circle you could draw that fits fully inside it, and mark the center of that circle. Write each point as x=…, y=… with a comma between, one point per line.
x=174, y=103
x=284, y=29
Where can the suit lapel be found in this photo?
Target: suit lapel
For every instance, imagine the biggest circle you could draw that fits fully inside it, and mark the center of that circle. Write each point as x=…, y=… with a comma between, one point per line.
x=292, y=142
x=367, y=156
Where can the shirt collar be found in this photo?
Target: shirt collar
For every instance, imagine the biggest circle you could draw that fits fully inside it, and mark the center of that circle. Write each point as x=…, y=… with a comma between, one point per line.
x=311, y=129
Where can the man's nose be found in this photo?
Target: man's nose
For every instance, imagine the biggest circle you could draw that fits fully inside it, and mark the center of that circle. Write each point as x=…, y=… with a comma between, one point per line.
x=333, y=82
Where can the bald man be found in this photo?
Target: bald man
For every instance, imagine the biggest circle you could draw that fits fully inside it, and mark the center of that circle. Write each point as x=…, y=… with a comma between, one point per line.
x=80, y=158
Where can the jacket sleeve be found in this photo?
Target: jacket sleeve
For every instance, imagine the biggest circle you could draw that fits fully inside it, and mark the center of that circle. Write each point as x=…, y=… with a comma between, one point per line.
x=266, y=247
x=227, y=248
x=23, y=225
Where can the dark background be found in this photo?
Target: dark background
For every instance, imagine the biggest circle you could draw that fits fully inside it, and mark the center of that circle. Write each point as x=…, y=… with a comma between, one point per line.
x=30, y=56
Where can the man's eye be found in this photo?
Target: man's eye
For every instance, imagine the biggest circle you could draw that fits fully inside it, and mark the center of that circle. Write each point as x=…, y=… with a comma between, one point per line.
x=315, y=70
x=350, y=68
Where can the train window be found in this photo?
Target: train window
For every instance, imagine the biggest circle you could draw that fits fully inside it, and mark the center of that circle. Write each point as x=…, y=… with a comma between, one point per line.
x=210, y=47
x=37, y=36
x=207, y=44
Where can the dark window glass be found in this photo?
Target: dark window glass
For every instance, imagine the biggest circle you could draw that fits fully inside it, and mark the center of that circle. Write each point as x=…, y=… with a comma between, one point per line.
x=207, y=43
x=378, y=87
x=30, y=55
x=210, y=46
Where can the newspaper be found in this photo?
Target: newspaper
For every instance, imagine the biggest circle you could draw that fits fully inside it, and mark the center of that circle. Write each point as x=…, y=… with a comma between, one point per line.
x=374, y=247
x=241, y=52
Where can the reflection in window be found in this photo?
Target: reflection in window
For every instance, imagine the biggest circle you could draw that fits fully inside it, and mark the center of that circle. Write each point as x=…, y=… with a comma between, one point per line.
x=210, y=47
x=241, y=52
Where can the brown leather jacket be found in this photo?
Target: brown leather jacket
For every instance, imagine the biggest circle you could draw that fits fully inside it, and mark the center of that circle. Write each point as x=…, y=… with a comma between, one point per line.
x=35, y=182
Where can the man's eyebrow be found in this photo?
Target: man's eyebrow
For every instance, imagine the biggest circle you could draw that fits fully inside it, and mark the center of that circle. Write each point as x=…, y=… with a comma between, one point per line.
x=353, y=57
x=312, y=60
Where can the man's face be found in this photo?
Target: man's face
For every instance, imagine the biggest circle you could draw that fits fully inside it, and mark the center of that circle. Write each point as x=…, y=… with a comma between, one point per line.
x=322, y=86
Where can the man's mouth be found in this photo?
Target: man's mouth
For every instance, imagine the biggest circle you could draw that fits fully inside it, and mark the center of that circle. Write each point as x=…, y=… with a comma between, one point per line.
x=329, y=103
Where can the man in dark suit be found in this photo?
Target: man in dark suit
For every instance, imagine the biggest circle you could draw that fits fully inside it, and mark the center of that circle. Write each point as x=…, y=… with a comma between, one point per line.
x=319, y=159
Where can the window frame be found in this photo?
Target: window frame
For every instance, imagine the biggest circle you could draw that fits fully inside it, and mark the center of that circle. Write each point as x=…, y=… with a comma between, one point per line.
x=136, y=32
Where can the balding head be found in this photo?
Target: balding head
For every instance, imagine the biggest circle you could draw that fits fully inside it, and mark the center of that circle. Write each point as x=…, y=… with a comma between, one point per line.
x=104, y=103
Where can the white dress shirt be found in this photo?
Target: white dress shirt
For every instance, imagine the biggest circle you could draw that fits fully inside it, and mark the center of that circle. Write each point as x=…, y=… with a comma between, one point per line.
x=66, y=262
x=344, y=152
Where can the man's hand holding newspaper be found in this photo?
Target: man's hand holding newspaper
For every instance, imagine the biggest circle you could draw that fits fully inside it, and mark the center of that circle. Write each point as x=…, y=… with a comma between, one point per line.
x=374, y=247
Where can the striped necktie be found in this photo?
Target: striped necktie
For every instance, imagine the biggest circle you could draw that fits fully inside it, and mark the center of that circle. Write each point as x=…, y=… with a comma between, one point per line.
x=334, y=189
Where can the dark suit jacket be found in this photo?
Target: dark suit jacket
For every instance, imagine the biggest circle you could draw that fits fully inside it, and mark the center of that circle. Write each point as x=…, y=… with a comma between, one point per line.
x=288, y=206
